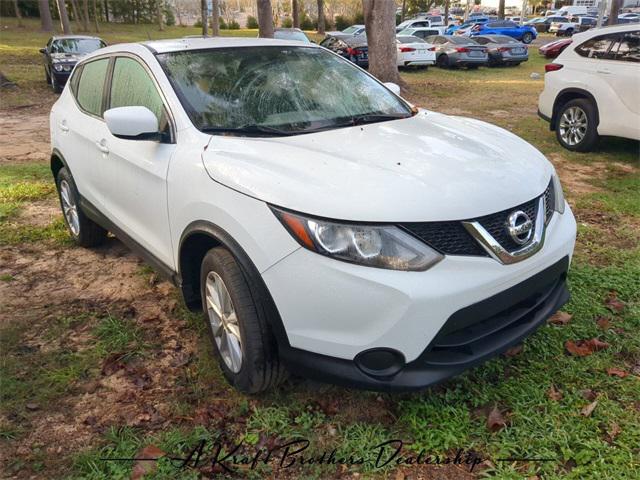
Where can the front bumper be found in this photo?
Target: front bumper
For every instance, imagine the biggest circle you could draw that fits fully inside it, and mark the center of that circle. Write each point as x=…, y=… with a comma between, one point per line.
x=335, y=309
x=61, y=77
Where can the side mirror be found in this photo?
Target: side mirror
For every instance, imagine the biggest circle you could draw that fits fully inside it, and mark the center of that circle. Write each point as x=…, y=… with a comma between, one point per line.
x=43, y=50
x=132, y=123
x=394, y=87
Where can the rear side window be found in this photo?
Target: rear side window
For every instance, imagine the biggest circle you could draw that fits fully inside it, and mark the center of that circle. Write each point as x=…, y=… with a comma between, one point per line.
x=597, y=47
x=628, y=48
x=91, y=85
x=131, y=85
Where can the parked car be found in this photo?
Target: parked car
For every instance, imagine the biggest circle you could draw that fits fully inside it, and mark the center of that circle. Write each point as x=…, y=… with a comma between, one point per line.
x=354, y=49
x=592, y=88
x=351, y=31
x=466, y=26
x=422, y=32
x=571, y=10
x=503, y=50
x=291, y=34
x=412, y=24
x=414, y=52
x=574, y=25
x=62, y=53
x=300, y=204
x=452, y=51
x=553, y=49
x=524, y=33
x=543, y=26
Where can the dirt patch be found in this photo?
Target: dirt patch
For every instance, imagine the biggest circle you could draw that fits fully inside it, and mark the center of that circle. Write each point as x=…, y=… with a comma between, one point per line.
x=39, y=214
x=25, y=135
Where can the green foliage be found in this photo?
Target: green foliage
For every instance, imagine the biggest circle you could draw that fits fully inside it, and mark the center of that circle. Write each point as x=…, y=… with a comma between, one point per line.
x=306, y=23
x=252, y=22
x=287, y=22
x=342, y=22
x=233, y=25
x=222, y=23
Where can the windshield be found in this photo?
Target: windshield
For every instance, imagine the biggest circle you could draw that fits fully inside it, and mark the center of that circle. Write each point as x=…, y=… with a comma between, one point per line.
x=290, y=35
x=351, y=29
x=76, y=45
x=276, y=89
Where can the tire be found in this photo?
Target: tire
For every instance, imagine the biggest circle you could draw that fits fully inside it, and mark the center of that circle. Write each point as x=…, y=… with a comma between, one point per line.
x=55, y=86
x=472, y=67
x=570, y=32
x=580, y=110
x=84, y=231
x=443, y=61
x=527, y=37
x=47, y=77
x=259, y=367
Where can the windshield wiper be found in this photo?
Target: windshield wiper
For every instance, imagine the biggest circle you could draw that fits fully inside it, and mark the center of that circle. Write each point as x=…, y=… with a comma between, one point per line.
x=248, y=130
x=377, y=117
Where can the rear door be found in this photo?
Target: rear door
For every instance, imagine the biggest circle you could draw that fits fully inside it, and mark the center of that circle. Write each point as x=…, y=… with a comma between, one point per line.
x=135, y=195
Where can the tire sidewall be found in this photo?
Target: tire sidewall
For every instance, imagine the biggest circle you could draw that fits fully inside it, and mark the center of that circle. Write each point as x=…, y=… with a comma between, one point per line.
x=64, y=174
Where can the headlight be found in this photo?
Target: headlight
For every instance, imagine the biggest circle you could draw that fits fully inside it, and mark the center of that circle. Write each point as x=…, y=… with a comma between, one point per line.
x=58, y=67
x=381, y=246
x=558, y=194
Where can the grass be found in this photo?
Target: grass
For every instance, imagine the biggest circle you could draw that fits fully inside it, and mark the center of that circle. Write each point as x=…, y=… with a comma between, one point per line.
x=439, y=420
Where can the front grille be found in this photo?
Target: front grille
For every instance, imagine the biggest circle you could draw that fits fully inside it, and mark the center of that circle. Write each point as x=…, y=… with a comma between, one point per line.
x=451, y=238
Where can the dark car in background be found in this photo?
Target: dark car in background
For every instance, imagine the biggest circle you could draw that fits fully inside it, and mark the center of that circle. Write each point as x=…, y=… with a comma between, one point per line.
x=553, y=49
x=545, y=24
x=524, y=33
x=355, y=49
x=62, y=53
x=503, y=50
x=458, y=51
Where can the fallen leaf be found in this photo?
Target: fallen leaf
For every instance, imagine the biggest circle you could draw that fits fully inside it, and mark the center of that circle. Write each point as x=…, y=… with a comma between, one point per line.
x=589, y=394
x=613, y=303
x=32, y=406
x=603, y=322
x=495, y=420
x=513, y=351
x=112, y=364
x=617, y=372
x=583, y=348
x=613, y=432
x=560, y=318
x=147, y=461
x=588, y=410
x=554, y=394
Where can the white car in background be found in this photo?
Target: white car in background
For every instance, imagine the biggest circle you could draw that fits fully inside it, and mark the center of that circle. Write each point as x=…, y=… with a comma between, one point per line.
x=422, y=32
x=319, y=221
x=592, y=89
x=414, y=52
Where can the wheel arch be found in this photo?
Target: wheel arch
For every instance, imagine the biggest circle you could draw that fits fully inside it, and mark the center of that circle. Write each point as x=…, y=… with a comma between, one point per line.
x=567, y=95
x=57, y=162
x=196, y=240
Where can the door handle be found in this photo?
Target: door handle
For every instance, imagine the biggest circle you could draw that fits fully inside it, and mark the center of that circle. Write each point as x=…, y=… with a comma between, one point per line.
x=606, y=72
x=63, y=126
x=102, y=146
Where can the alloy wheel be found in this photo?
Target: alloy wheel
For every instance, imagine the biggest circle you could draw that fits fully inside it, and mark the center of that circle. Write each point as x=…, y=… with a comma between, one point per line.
x=573, y=125
x=69, y=208
x=224, y=322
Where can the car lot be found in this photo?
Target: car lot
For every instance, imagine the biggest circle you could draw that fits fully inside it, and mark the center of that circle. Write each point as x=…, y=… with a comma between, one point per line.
x=70, y=382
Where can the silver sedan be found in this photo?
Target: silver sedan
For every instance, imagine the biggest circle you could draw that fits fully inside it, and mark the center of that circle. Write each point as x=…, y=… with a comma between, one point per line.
x=460, y=51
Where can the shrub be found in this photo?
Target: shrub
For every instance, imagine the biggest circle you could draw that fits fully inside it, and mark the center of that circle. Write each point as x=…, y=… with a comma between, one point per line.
x=306, y=23
x=358, y=19
x=223, y=24
x=287, y=22
x=198, y=24
x=252, y=22
x=233, y=25
x=342, y=22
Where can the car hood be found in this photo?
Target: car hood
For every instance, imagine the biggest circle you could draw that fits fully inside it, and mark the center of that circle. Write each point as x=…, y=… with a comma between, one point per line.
x=426, y=168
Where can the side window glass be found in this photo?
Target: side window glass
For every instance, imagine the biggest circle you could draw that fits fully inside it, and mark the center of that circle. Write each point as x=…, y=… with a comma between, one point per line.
x=629, y=48
x=91, y=86
x=597, y=47
x=132, y=86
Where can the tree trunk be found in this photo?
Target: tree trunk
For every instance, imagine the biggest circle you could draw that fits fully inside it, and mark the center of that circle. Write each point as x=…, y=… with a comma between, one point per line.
x=265, y=19
x=613, y=13
x=105, y=8
x=380, y=24
x=18, y=12
x=85, y=15
x=45, y=16
x=159, y=6
x=446, y=12
x=321, y=17
x=501, y=10
x=203, y=16
x=76, y=14
x=215, y=18
x=178, y=13
x=64, y=18
x=404, y=9
x=95, y=15
x=295, y=12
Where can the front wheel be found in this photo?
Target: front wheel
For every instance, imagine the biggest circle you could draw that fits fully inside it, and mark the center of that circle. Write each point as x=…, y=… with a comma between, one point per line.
x=241, y=337
x=83, y=230
x=55, y=85
x=576, y=127
x=527, y=37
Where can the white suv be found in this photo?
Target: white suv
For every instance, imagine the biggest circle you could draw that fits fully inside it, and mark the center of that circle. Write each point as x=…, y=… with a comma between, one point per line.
x=320, y=221
x=593, y=88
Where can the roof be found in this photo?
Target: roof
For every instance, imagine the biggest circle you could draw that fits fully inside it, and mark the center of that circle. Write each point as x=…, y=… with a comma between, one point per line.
x=180, y=44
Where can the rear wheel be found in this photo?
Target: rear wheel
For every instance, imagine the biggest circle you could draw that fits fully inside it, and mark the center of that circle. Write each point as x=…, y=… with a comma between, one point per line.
x=242, y=339
x=84, y=231
x=576, y=125
x=527, y=37
x=443, y=61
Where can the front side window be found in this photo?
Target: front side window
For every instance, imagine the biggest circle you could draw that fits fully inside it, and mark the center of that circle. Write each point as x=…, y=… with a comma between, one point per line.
x=597, y=47
x=285, y=90
x=91, y=86
x=131, y=86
